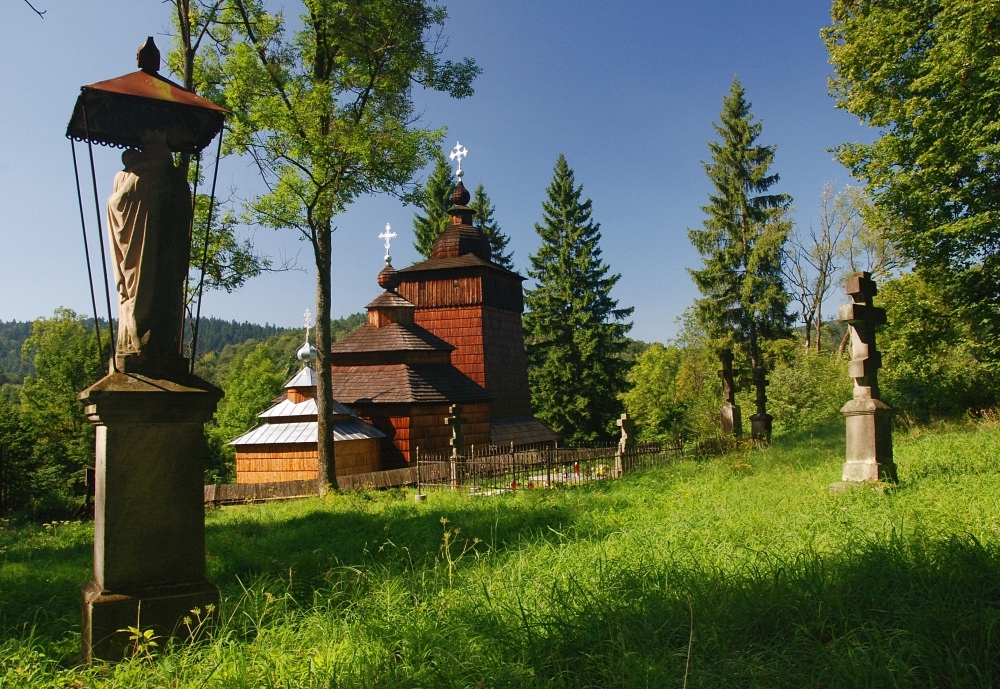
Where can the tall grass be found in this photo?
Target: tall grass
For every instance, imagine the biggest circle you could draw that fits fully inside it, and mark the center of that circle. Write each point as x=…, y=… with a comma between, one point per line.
x=740, y=571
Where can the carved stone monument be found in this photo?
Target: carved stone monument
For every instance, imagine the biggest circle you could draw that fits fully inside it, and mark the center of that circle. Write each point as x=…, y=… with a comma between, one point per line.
x=149, y=411
x=455, y=420
x=869, y=419
x=760, y=423
x=732, y=417
x=626, y=444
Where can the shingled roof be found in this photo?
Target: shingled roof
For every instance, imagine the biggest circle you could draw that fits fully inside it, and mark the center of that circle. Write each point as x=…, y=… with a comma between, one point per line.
x=463, y=261
x=391, y=337
x=405, y=383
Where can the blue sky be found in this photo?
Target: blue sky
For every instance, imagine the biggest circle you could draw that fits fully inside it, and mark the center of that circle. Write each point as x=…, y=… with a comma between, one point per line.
x=627, y=91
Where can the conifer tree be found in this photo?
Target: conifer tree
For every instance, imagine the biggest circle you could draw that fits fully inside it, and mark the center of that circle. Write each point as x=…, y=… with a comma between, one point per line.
x=482, y=207
x=575, y=331
x=742, y=239
x=434, y=199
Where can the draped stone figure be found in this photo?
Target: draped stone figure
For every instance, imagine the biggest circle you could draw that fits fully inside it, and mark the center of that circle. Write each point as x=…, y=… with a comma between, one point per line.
x=149, y=220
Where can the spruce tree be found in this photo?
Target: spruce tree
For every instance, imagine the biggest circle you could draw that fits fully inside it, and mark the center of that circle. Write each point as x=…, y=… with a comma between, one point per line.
x=742, y=239
x=434, y=199
x=575, y=332
x=482, y=207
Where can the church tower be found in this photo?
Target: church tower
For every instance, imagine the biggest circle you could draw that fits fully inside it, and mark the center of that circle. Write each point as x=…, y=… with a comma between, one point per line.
x=464, y=298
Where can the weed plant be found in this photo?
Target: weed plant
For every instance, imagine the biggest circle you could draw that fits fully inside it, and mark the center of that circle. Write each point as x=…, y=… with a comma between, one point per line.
x=739, y=571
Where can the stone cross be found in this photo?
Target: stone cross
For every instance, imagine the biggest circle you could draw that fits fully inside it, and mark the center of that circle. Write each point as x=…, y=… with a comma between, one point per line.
x=457, y=154
x=728, y=385
x=863, y=317
x=732, y=417
x=761, y=422
x=388, y=236
x=868, y=418
x=455, y=420
x=625, y=442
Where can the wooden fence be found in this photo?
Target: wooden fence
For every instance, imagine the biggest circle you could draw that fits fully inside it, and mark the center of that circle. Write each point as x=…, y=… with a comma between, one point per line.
x=487, y=470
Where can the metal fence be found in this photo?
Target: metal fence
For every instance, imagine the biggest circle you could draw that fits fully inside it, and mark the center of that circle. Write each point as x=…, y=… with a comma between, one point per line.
x=493, y=470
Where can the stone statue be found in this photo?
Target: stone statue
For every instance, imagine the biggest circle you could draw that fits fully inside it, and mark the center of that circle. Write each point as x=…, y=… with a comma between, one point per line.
x=732, y=418
x=149, y=221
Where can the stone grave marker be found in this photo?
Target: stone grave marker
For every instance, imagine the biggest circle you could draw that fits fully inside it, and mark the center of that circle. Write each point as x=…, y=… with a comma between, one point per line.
x=732, y=417
x=868, y=418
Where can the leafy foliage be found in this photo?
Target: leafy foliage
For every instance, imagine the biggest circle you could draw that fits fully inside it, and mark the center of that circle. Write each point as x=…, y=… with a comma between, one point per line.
x=925, y=73
x=252, y=381
x=574, y=330
x=934, y=365
x=327, y=114
x=64, y=354
x=742, y=239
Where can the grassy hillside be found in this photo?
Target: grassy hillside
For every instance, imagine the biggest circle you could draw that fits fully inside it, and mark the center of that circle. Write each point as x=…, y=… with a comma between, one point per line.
x=739, y=571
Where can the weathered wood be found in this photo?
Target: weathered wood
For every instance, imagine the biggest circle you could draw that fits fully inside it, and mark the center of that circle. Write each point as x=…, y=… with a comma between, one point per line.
x=224, y=493
x=377, y=480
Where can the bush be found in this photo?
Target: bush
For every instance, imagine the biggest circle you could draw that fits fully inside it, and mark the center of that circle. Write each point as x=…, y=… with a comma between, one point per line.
x=807, y=390
x=932, y=364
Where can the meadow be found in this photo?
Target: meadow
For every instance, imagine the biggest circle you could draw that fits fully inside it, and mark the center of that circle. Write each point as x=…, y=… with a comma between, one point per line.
x=740, y=571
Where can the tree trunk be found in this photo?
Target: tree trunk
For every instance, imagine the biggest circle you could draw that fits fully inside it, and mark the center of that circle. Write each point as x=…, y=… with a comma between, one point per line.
x=324, y=376
x=819, y=327
x=843, y=343
x=809, y=325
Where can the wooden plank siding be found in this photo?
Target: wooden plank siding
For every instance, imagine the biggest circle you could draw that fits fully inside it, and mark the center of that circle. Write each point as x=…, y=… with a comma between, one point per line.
x=408, y=427
x=298, y=461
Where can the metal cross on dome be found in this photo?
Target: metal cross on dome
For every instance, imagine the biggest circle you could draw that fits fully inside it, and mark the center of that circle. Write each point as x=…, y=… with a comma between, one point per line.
x=388, y=236
x=308, y=322
x=457, y=154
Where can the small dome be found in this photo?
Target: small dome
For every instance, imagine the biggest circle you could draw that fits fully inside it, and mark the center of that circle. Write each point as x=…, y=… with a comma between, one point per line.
x=460, y=196
x=306, y=352
x=388, y=278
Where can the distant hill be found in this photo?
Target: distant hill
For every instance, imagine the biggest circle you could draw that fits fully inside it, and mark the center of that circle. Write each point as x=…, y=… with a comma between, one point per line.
x=214, y=336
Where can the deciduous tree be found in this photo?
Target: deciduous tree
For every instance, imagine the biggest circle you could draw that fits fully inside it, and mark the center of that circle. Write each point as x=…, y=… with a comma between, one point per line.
x=326, y=112
x=925, y=73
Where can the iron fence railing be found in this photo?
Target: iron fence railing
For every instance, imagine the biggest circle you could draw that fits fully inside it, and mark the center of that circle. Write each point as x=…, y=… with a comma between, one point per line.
x=493, y=470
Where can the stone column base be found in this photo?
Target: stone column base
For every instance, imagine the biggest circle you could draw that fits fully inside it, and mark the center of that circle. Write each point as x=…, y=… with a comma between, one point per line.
x=760, y=427
x=107, y=615
x=732, y=420
x=869, y=442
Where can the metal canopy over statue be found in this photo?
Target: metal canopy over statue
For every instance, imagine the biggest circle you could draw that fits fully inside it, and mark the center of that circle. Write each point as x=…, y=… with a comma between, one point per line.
x=150, y=410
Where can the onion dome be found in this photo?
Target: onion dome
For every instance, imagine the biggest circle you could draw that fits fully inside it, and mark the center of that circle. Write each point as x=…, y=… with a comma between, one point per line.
x=461, y=237
x=388, y=279
x=306, y=353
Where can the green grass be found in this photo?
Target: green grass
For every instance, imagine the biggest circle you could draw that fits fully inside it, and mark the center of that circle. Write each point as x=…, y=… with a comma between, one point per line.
x=787, y=585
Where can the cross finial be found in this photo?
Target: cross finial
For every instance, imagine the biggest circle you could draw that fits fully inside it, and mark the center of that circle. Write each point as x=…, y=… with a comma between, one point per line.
x=308, y=323
x=457, y=154
x=388, y=236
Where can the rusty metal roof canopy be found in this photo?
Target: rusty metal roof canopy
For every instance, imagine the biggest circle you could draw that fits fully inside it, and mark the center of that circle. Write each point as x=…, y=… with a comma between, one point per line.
x=121, y=111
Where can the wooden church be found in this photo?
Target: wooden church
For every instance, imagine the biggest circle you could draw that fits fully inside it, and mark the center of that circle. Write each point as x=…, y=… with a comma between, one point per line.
x=446, y=331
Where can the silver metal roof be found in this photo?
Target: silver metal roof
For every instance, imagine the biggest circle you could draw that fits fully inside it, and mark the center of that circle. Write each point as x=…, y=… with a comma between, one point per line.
x=286, y=409
x=305, y=432
x=306, y=377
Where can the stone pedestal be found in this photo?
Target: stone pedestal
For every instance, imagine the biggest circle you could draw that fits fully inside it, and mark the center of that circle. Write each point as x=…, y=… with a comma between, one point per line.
x=760, y=426
x=149, y=513
x=869, y=441
x=732, y=420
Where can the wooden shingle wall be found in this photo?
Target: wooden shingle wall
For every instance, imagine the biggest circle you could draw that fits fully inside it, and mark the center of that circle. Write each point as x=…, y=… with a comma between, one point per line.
x=505, y=363
x=462, y=327
x=298, y=461
x=407, y=427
